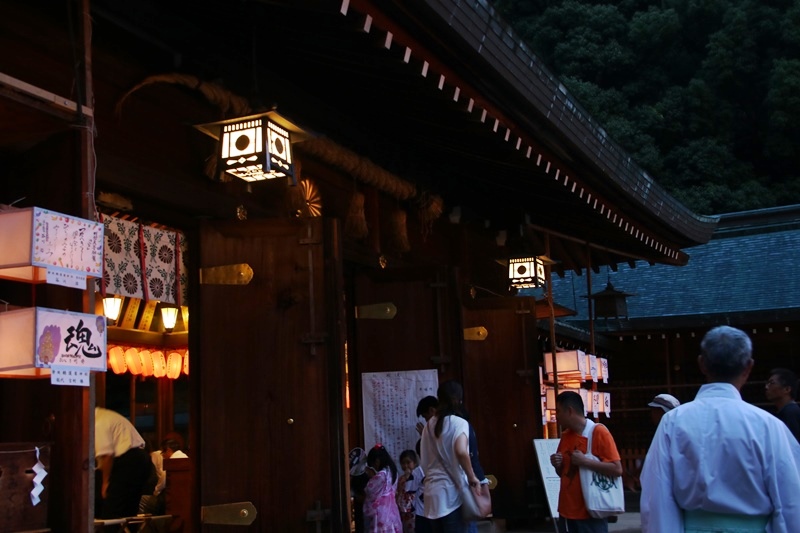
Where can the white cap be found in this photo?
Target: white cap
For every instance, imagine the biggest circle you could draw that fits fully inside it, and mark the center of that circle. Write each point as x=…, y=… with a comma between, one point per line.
x=667, y=402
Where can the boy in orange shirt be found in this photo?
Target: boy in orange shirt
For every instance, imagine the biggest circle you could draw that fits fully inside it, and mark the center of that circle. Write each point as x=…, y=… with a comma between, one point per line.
x=570, y=456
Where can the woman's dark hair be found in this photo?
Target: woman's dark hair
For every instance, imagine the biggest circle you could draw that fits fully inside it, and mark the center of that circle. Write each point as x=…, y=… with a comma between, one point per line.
x=380, y=457
x=409, y=454
x=450, y=394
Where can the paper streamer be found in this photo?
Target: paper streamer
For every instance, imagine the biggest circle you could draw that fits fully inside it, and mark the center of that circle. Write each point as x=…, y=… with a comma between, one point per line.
x=41, y=473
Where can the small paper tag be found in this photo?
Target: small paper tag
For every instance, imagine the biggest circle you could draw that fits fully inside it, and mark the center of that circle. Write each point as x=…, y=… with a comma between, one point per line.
x=68, y=375
x=66, y=278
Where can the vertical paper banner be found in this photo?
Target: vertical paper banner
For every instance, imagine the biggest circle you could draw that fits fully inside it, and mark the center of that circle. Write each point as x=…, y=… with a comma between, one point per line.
x=390, y=407
x=586, y=396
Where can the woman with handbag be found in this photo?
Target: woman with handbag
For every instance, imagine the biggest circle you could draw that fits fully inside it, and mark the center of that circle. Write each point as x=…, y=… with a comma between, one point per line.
x=446, y=462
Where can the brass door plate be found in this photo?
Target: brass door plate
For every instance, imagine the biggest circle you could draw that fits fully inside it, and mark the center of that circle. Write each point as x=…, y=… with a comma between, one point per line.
x=383, y=311
x=476, y=334
x=231, y=514
x=239, y=274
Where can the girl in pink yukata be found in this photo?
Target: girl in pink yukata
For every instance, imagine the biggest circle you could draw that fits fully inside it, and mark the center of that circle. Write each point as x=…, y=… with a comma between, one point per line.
x=381, y=514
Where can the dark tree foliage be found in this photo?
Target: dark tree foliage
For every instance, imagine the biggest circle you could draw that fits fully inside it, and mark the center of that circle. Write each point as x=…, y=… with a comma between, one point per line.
x=704, y=94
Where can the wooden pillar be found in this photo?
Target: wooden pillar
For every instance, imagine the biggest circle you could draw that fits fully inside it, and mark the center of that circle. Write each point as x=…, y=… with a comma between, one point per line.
x=548, y=274
x=82, y=513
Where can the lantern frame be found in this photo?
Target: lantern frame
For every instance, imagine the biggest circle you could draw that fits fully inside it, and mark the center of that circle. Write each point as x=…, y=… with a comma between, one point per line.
x=256, y=147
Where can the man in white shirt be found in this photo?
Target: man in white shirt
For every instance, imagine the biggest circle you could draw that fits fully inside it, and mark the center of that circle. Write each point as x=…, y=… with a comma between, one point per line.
x=123, y=462
x=718, y=461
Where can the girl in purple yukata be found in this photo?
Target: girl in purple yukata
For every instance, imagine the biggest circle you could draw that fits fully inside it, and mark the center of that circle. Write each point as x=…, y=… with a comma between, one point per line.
x=381, y=514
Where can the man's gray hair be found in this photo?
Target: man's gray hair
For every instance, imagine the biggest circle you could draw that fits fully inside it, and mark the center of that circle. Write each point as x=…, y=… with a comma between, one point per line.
x=726, y=352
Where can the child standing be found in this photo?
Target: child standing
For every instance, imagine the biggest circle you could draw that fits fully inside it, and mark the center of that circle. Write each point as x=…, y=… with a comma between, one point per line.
x=380, y=507
x=409, y=490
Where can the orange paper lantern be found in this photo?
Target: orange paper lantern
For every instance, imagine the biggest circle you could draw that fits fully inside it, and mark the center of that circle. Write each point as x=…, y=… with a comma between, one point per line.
x=174, y=365
x=147, y=363
x=186, y=363
x=116, y=358
x=159, y=364
x=133, y=361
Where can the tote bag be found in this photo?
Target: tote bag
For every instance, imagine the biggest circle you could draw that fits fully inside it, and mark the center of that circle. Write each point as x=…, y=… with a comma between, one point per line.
x=476, y=502
x=603, y=495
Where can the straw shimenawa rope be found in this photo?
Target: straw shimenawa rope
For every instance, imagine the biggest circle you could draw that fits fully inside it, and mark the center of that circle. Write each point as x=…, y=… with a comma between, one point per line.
x=399, y=231
x=359, y=167
x=355, y=223
x=230, y=104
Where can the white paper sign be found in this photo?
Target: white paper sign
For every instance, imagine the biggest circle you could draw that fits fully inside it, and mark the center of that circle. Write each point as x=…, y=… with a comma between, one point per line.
x=544, y=410
x=390, y=407
x=66, y=278
x=67, y=375
x=67, y=339
x=593, y=367
x=587, y=400
x=552, y=483
x=67, y=243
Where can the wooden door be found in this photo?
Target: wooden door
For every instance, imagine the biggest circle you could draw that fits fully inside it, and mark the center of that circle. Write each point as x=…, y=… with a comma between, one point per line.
x=501, y=390
x=270, y=372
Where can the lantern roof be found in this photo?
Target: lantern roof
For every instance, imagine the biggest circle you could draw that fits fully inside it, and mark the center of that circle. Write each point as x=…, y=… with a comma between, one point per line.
x=298, y=134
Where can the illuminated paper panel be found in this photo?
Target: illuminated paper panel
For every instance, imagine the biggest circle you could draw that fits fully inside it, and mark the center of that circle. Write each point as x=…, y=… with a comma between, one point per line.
x=38, y=337
x=571, y=365
x=44, y=246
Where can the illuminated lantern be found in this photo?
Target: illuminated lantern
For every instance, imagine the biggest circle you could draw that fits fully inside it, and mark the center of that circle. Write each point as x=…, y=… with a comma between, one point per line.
x=174, y=365
x=256, y=147
x=133, y=361
x=159, y=364
x=147, y=363
x=112, y=305
x=186, y=363
x=526, y=272
x=169, y=317
x=116, y=358
x=571, y=365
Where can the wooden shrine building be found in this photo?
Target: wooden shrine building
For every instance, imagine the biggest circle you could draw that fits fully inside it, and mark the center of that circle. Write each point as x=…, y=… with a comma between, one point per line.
x=419, y=146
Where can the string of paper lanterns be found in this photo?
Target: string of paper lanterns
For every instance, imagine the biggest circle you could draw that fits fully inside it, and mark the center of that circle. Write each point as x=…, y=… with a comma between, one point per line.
x=144, y=362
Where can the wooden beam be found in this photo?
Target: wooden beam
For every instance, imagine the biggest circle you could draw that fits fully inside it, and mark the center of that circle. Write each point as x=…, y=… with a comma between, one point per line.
x=150, y=338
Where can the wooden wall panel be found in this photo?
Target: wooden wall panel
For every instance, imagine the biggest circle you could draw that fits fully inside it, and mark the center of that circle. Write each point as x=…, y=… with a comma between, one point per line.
x=504, y=406
x=264, y=398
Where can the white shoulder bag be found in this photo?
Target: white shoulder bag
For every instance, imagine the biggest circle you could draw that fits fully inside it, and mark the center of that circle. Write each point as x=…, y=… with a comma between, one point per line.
x=603, y=495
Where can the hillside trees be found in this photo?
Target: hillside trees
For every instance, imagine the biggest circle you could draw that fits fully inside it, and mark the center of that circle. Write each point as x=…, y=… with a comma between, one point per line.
x=704, y=94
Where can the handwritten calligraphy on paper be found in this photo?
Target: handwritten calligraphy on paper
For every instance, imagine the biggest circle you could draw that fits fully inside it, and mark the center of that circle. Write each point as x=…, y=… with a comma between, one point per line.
x=67, y=242
x=390, y=405
x=64, y=338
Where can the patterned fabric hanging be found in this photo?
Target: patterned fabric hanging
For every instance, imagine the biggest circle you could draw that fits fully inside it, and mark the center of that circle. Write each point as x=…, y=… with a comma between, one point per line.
x=159, y=273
